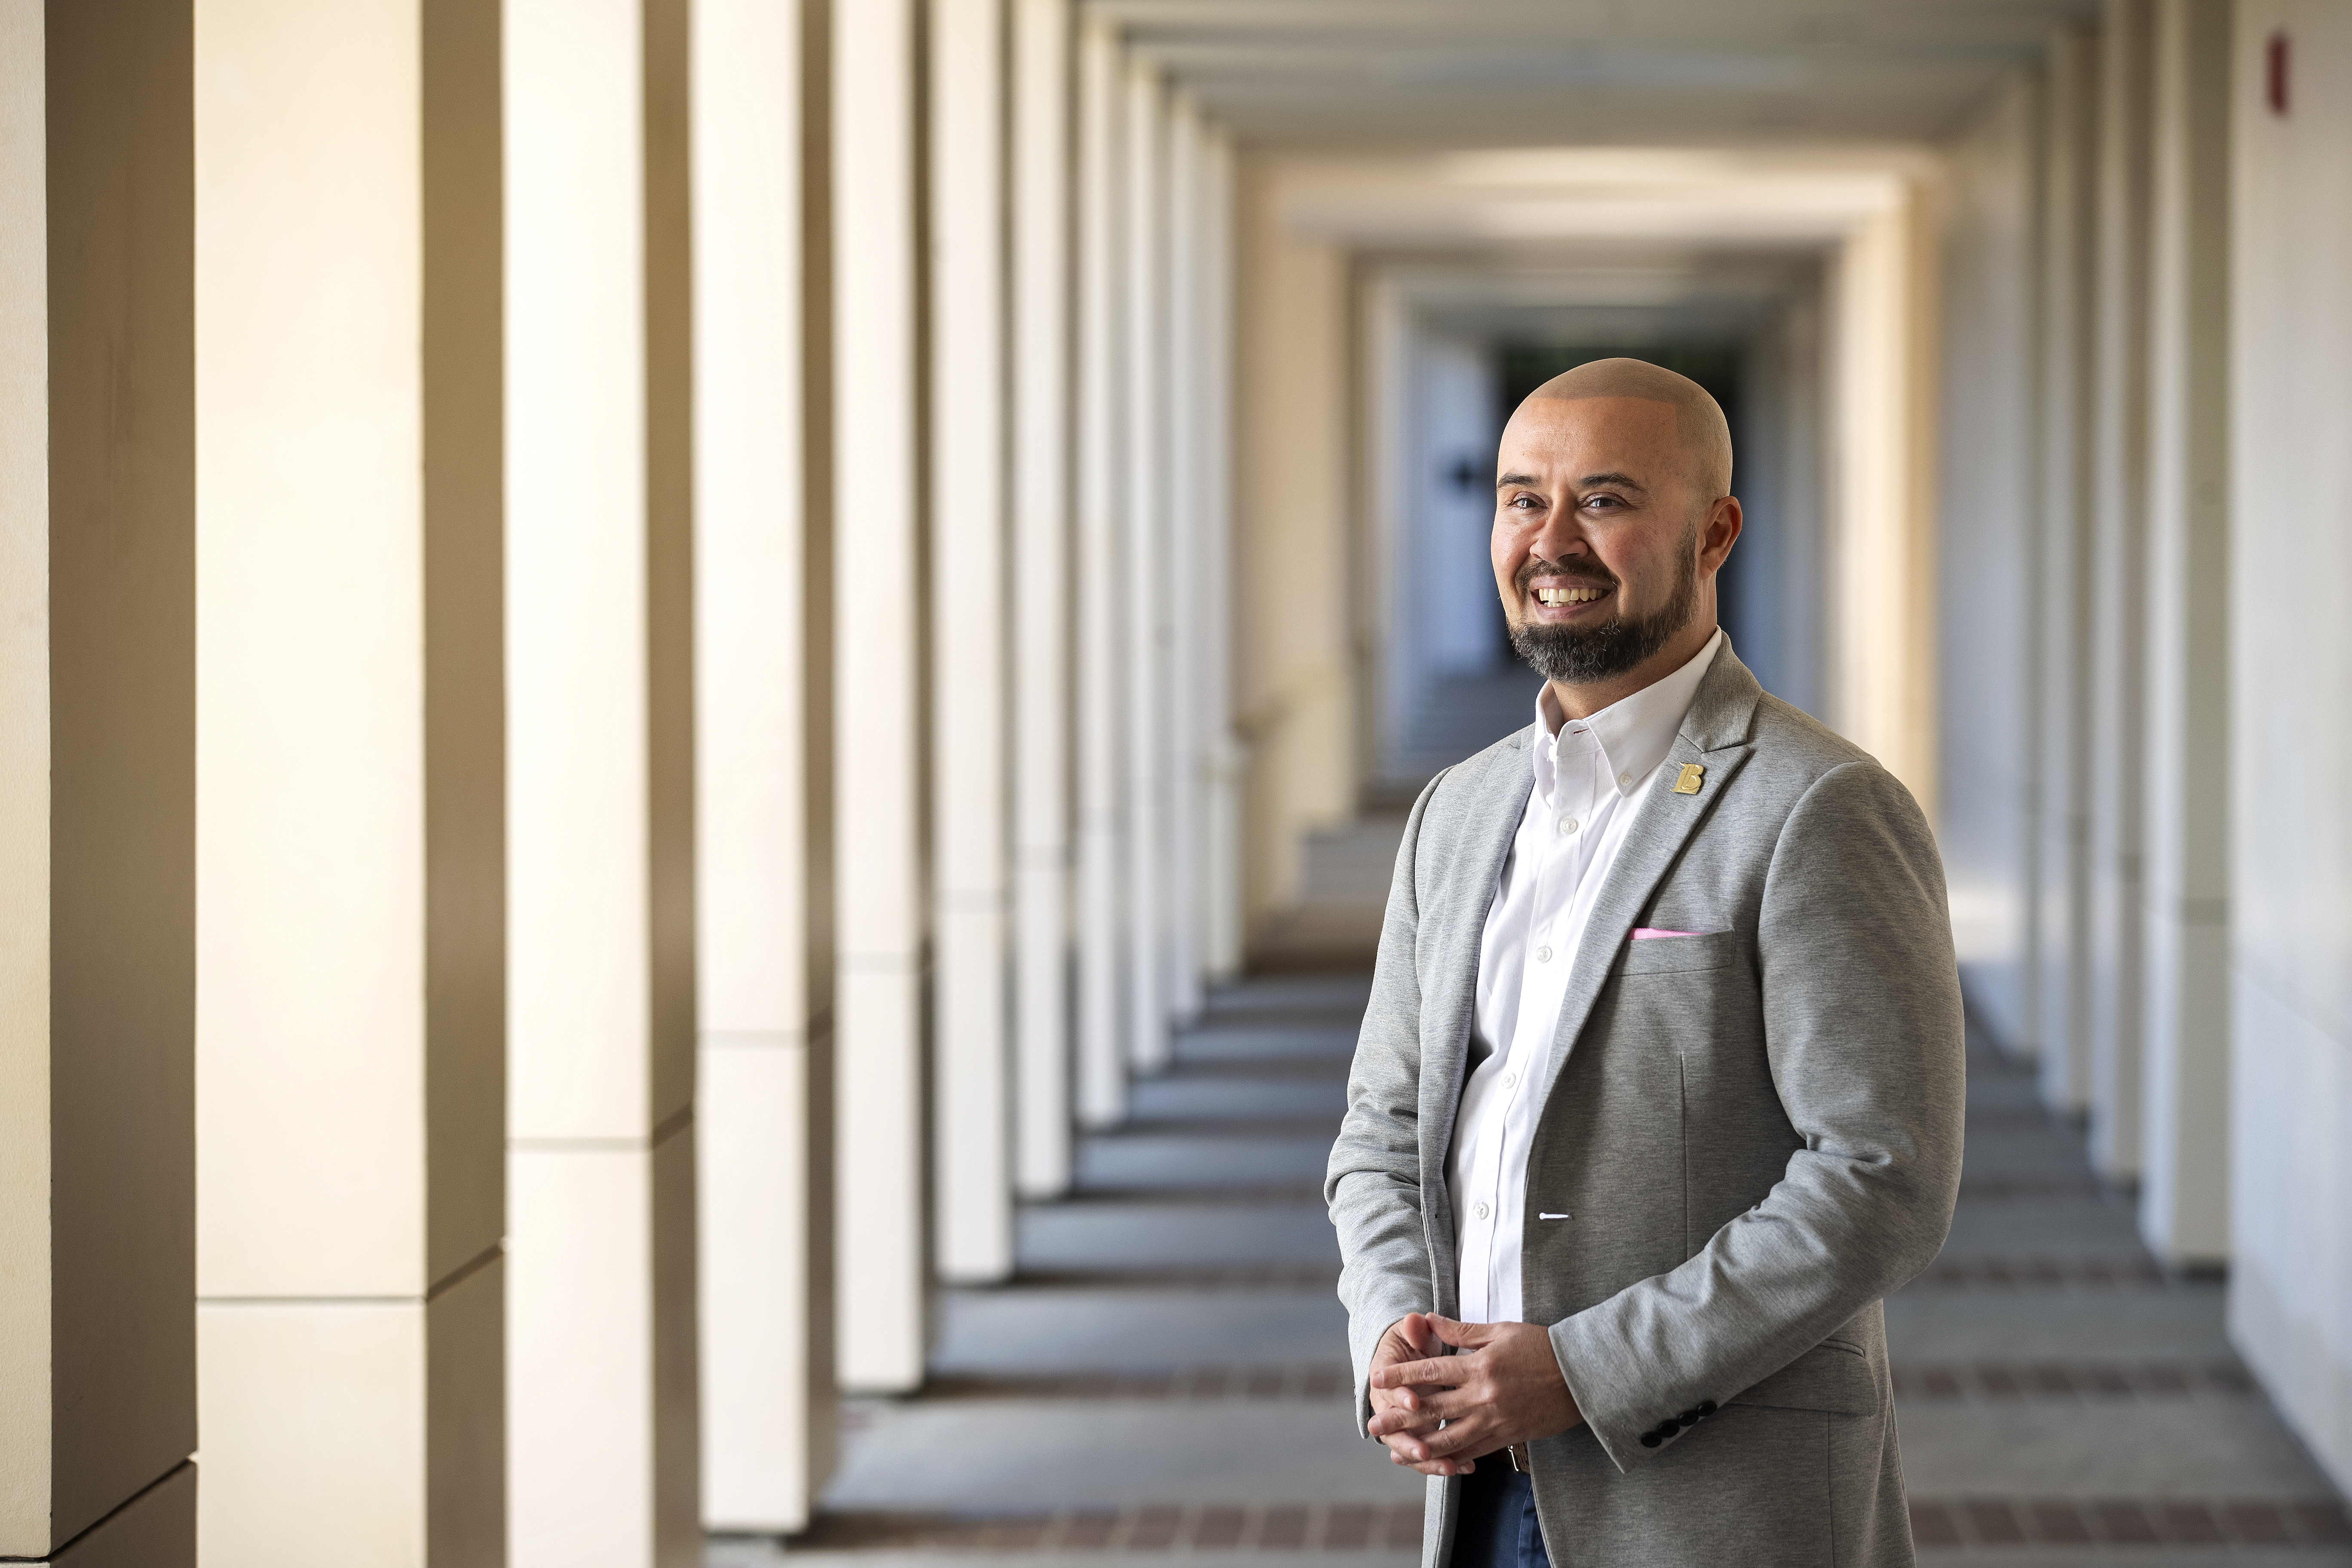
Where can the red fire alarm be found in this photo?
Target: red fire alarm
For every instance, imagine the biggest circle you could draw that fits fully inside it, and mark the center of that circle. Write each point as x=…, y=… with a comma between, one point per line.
x=2275, y=65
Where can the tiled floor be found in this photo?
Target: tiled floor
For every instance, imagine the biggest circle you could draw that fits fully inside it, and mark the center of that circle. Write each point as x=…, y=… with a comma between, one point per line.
x=1166, y=1377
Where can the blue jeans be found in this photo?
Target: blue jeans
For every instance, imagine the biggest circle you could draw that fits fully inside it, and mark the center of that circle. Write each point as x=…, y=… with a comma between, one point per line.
x=1497, y=1527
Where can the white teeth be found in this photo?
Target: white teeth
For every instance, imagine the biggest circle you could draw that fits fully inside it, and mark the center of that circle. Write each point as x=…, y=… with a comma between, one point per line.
x=1566, y=595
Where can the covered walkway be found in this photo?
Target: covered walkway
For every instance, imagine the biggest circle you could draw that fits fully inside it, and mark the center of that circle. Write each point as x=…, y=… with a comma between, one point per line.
x=1166, y=1374
x=1168, y=1368
x=696, y=697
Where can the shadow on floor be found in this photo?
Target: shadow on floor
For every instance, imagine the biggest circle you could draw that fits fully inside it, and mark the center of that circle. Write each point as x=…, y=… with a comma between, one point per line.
x=1166, y=1376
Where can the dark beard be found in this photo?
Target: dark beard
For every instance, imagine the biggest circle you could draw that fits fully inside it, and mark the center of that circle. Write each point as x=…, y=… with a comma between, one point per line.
x=1580, y=657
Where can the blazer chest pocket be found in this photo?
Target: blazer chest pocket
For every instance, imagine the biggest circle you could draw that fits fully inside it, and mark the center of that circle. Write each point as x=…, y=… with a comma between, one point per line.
x=1680, y=954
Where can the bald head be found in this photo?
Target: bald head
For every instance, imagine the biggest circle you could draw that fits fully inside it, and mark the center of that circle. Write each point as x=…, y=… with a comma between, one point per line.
x=1703, y=433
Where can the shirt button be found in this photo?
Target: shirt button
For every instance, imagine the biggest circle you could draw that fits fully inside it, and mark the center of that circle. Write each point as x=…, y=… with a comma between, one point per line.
x=1480, y=1211
x=1568, y=825
x=1625, y=779
x=1543, y=955
x=1510, y=1080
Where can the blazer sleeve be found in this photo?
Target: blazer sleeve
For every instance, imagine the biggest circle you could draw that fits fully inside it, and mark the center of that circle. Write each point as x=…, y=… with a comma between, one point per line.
x=1373, y=1183
x=1863, y=1029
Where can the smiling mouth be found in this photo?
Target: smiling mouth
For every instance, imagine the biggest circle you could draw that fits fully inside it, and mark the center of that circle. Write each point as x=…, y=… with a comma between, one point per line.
x=1568, y=596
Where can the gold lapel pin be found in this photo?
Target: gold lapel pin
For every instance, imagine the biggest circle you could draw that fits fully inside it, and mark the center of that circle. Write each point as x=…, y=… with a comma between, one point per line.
x=1693, y=775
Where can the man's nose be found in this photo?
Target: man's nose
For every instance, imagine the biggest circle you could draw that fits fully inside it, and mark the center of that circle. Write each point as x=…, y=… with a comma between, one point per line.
x=1561, y=539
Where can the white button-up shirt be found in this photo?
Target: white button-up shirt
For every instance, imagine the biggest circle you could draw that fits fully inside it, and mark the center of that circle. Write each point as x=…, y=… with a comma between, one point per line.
x=1590, y=779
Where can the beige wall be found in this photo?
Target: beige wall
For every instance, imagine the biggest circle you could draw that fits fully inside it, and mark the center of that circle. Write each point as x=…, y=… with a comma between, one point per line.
x=2290, y=689
x=1303, y=410
x=97, y=786
x=1295, y=543
x=1880, y=557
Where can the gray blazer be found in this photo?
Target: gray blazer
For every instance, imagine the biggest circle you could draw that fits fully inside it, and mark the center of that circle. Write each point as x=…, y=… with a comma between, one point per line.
x=1755, y=1134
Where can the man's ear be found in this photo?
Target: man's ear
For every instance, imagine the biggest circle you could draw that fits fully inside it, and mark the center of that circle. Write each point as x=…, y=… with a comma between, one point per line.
x=1723, y=516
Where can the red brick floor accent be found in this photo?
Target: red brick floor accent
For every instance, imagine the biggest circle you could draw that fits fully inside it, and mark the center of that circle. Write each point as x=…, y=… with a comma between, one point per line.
x=1979, y=1521
x=2127, y=1521
x=2007, y=1382
x=1145, y=1528
x=2015, y=1273
x=2000, y=1189
x=1313, y=1381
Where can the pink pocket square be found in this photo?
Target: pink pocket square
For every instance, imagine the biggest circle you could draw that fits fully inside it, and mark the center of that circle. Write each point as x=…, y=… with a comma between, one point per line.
x=1649, y=934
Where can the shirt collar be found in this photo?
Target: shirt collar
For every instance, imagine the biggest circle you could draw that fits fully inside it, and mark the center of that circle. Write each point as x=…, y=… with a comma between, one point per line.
x=1634, y=733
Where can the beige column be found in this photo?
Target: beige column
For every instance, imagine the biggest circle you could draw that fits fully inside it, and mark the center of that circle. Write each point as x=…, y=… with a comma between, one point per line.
x=971, y=1166
x=1225, y=762
x=2184, y=1208
x=350, y=975
x=1142, y=613
x=600, y=1323
x=762, y=1118
x=2069, y=296
x=2113, y=736
x=98, y=1388
x=1101, y=697
x=1040, y=176
x=879, y=590
x=1184, y=758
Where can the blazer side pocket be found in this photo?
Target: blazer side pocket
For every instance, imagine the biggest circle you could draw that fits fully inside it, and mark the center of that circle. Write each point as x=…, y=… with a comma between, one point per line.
x=1672, y=954
x=1831, y=1376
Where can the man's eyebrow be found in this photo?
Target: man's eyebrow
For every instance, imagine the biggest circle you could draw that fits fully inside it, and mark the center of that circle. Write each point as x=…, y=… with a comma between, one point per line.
x=1623, y=481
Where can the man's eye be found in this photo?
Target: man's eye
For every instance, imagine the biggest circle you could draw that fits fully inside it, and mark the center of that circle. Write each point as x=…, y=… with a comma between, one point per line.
x=1525, y=500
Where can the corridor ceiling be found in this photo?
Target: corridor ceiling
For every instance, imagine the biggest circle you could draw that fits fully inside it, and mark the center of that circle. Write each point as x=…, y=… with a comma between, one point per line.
x=1359, y=75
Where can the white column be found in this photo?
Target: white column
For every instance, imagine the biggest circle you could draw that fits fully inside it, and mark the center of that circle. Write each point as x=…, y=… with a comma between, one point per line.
x=878, y=594
x=1041, y=597
x=2069, y=285
x=600, y=1023
x=764, y=967
x=98, y=1373
x=350, y=1063
x=1142, y=613
x=2185, y=1191
x=1100, y=586
x=2113, y=738
x=1226, y=762
x=1181, y=426
x=972, y=1155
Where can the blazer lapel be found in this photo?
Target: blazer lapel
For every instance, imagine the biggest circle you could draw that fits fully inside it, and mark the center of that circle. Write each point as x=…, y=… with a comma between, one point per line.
x=1454, y=921
x=1714, y=734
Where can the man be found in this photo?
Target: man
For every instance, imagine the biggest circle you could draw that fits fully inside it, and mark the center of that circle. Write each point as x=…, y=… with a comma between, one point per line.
x=1659, y=1091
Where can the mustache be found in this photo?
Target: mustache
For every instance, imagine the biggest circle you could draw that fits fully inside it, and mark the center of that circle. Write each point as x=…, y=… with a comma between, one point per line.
x=1589, y=574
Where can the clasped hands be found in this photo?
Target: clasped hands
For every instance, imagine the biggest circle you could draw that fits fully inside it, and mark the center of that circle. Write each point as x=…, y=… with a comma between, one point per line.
x=1440, y=1412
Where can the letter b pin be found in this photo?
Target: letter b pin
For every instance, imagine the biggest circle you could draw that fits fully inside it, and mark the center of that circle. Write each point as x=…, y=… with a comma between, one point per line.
x=1693, y=775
